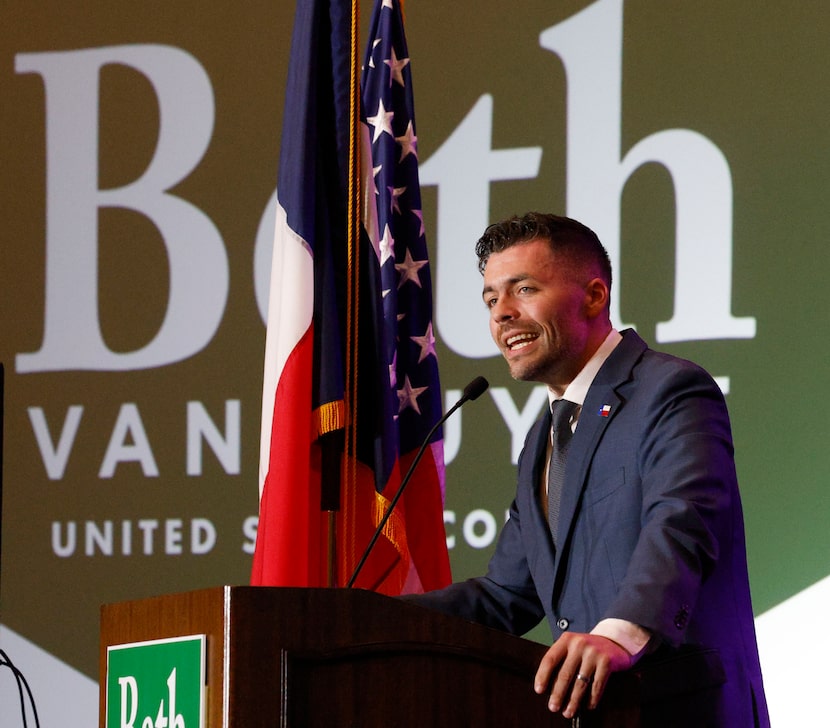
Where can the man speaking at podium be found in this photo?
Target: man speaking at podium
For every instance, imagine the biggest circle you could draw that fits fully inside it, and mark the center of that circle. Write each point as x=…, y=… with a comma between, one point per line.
x=626, y=531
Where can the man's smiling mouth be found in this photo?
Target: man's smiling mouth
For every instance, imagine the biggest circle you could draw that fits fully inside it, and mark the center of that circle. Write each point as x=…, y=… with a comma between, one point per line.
x=519, y=341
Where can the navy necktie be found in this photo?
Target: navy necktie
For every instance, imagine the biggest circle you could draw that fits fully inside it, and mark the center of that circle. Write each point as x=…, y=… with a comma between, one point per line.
x=563, y=411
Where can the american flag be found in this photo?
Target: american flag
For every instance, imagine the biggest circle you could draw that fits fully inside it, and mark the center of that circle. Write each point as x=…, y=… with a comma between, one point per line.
x=315, y=326
x=393, y=219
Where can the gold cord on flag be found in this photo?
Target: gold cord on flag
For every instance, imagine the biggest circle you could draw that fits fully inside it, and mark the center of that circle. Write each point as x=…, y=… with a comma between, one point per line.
x=329, y=417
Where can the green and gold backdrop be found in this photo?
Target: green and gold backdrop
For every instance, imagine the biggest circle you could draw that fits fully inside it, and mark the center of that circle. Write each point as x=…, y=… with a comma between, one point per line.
x=140, y=144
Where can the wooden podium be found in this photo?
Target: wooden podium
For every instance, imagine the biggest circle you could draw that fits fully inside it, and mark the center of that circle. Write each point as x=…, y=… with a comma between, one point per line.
x=334, y=657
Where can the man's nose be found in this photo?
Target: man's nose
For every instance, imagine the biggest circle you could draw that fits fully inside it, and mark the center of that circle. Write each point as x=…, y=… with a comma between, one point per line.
x=503, y=310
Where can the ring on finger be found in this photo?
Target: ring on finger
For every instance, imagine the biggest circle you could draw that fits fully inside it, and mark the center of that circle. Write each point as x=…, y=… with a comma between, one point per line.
x=586, y=679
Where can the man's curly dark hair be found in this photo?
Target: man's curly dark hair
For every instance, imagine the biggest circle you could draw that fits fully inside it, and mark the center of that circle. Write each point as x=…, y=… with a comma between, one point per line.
x=577, y=243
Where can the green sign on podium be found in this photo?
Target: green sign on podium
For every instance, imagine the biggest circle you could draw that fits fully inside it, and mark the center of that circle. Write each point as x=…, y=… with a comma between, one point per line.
x=157, y=684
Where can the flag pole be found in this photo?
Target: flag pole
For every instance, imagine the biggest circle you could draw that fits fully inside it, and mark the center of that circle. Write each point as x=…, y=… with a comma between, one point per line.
x=349, y=450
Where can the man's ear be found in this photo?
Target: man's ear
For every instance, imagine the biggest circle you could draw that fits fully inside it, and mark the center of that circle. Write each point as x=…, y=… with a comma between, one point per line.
x=597, y=297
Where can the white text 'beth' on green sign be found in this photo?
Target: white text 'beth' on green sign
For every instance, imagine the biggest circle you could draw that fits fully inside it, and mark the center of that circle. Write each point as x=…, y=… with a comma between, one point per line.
x=156, y=684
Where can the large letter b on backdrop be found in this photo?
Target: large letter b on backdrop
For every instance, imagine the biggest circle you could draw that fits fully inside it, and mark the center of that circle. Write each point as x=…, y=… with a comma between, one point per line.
x=196, y=255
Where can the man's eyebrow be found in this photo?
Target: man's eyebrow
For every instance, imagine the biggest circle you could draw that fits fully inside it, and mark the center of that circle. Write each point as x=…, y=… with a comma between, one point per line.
x=487, y=291
x=512, y=281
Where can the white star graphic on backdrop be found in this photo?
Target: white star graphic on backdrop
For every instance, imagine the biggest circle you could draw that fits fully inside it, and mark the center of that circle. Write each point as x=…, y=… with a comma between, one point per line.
x=387, y=246
x=408, y=142
x=409, y=269
x=426, y=342
x=396, y=66
x=408, y=396
x=382, y=121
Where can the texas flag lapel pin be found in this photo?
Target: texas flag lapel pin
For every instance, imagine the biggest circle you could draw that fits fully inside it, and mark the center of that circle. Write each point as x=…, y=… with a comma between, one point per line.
x=605, y=410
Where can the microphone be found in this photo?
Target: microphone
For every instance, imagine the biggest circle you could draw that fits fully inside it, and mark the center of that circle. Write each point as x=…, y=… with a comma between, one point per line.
x=472, y=391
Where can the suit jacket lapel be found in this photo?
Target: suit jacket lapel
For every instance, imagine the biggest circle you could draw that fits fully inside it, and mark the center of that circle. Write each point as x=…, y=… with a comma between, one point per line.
x=593, y=420
x=598, y=411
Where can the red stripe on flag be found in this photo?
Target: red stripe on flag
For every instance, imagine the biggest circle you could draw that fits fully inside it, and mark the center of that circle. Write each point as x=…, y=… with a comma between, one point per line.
x=412, y=557
x=424, y=512
x=291, y=529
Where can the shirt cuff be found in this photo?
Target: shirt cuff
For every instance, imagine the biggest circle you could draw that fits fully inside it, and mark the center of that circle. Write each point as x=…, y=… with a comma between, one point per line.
x=633, y=638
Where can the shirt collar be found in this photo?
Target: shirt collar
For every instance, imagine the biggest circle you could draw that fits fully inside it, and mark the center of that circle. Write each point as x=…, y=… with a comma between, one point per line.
x=577, y=390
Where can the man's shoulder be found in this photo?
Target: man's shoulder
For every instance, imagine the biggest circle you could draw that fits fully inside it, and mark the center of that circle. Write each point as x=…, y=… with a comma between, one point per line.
x=635, y=361
x=633, y=349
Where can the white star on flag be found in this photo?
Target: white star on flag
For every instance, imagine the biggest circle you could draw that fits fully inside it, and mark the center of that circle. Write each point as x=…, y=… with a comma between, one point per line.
x=382, y=122
x=408, y=396
x=374, y=178
x=420, y=215
x=409, y=269
x=426, y=342
x=387, y=246
x=395, y=193
x=408, y=142
x=371, y=57
x=393, y=371
x=396, y=66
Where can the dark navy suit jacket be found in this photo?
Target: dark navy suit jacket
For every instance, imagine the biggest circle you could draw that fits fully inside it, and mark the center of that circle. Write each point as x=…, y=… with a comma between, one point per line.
x=651, y=529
